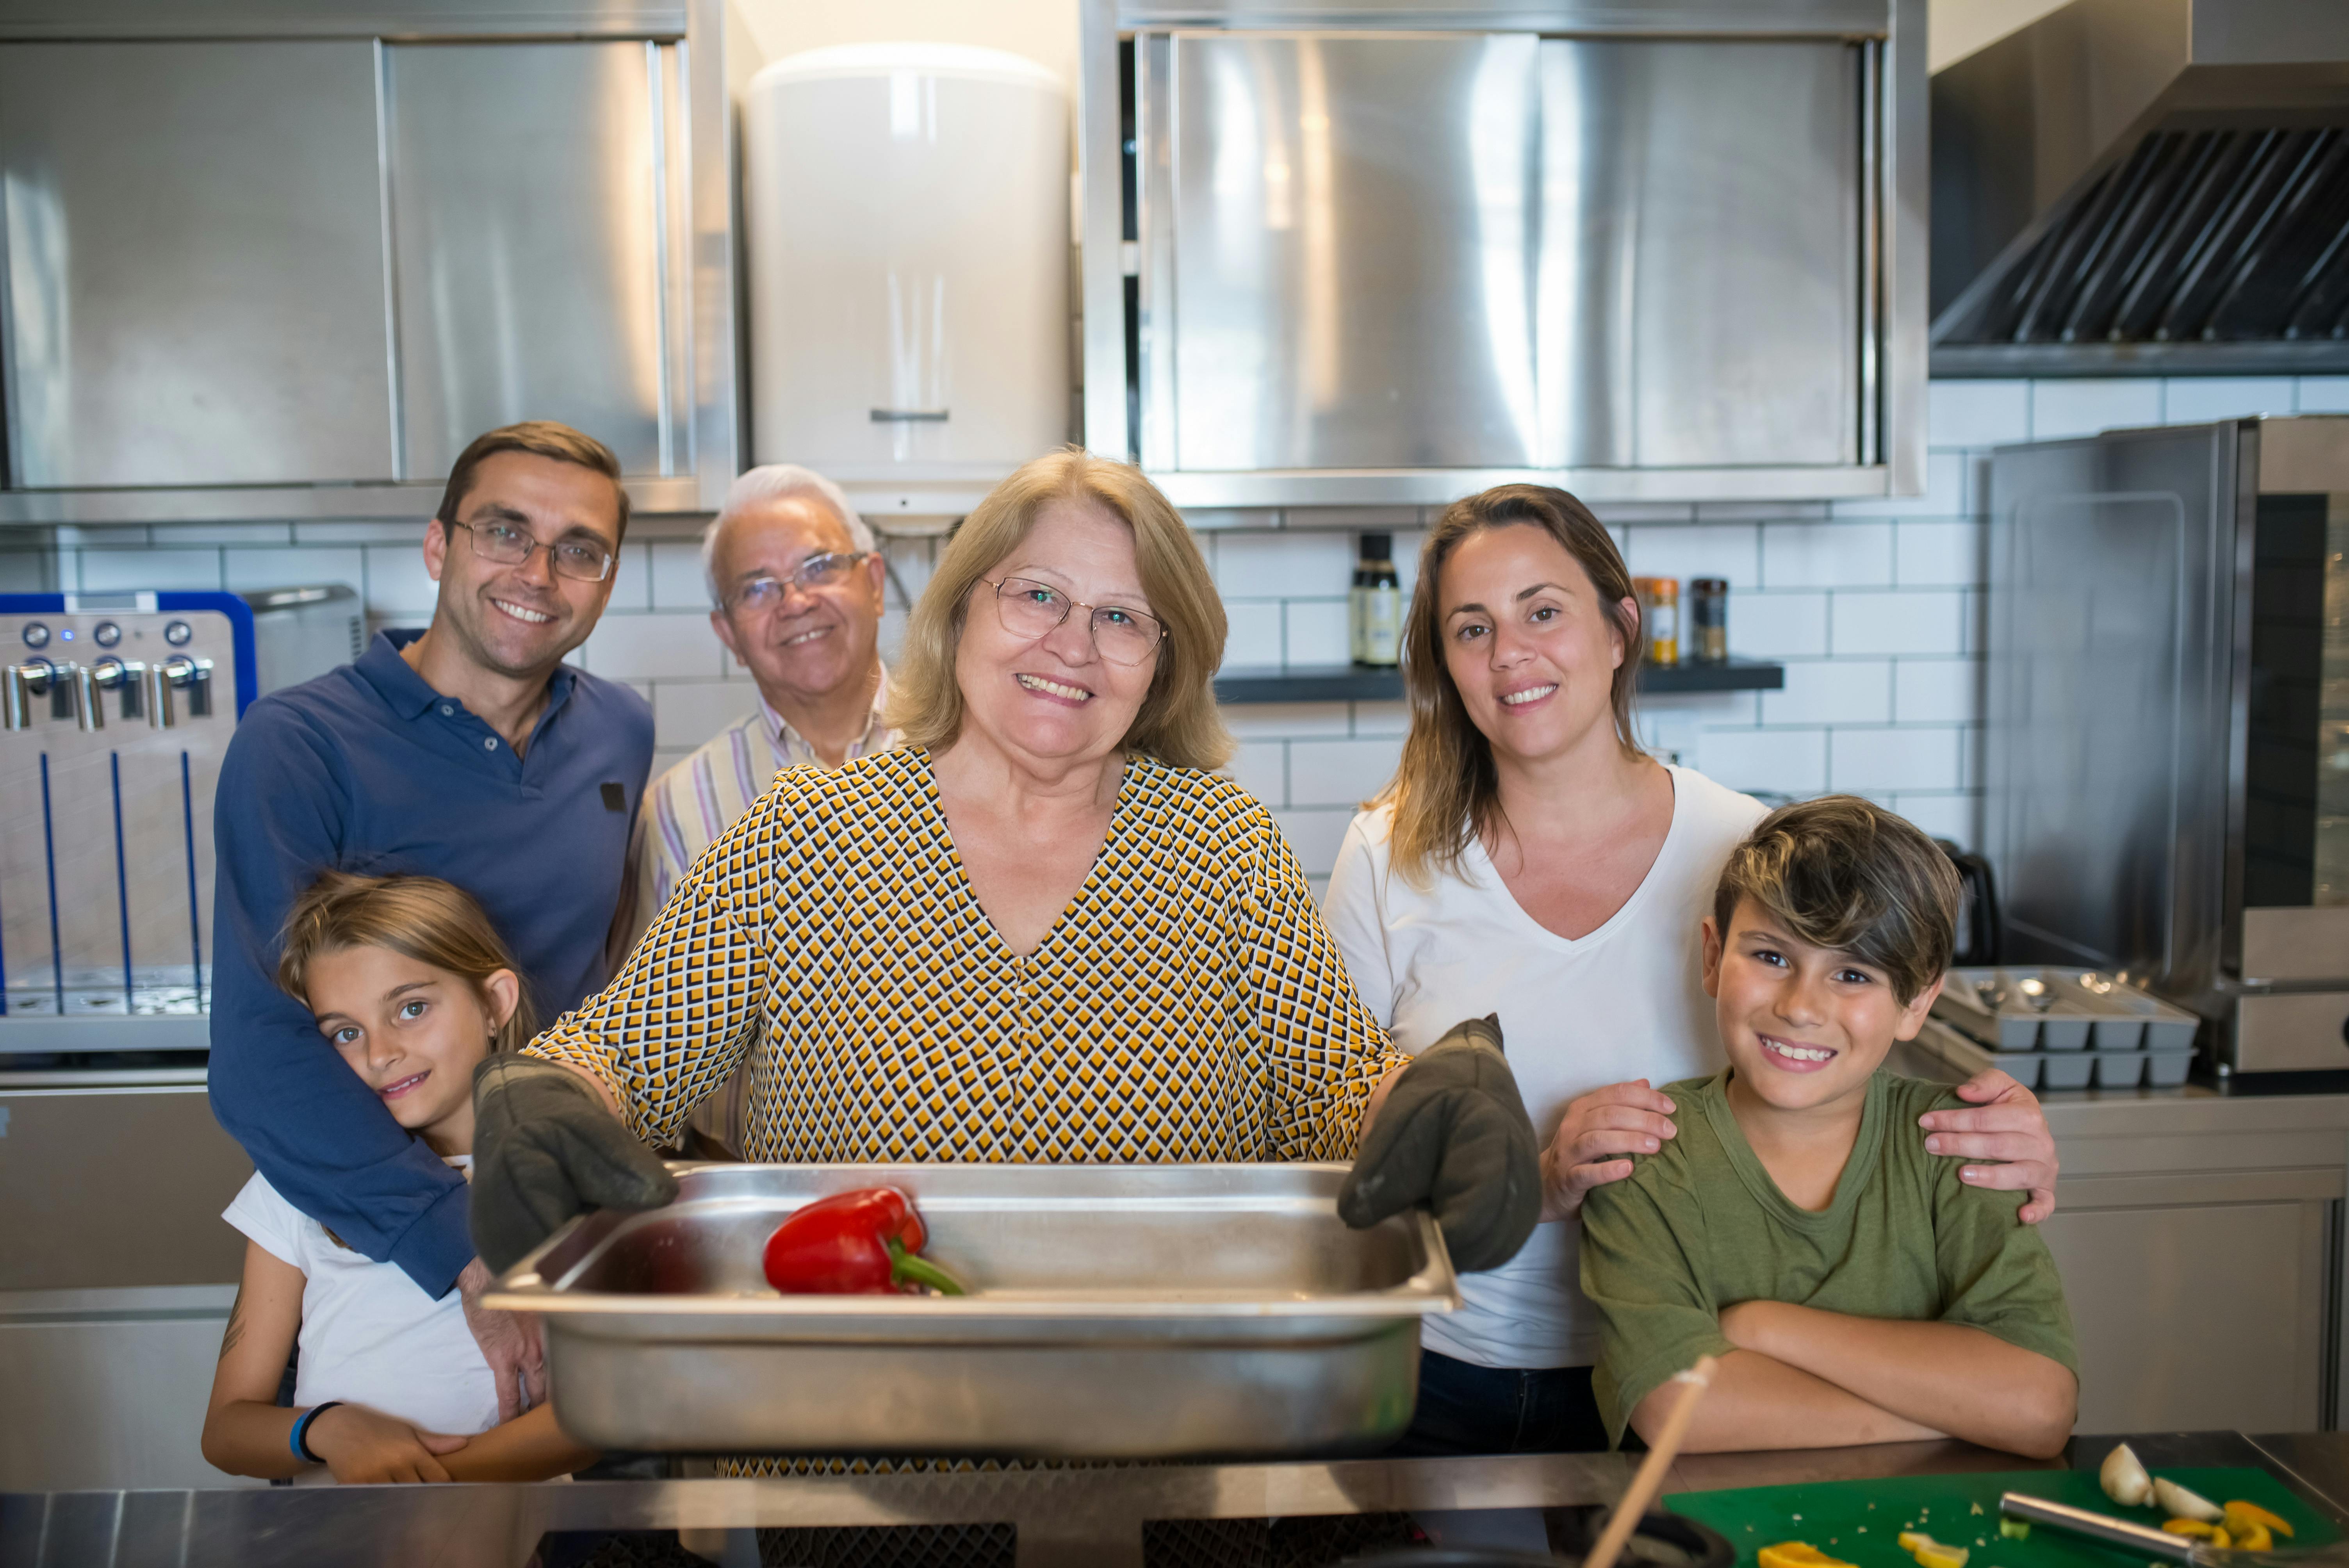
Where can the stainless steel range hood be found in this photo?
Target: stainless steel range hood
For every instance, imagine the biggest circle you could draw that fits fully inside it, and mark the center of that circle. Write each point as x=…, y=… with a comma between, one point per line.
x=2150, y=185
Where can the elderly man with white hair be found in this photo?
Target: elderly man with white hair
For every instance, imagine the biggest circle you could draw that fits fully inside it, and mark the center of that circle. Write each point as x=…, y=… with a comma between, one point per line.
x=795, y=581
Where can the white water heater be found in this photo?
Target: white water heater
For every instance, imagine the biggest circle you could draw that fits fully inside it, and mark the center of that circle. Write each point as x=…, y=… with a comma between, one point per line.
x=908, y=217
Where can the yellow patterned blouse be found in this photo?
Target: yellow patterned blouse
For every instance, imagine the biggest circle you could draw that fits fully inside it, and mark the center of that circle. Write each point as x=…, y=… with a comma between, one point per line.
x=1187, y=1006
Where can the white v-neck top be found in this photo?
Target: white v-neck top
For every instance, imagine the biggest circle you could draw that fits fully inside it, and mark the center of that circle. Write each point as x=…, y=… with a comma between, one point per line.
x=1626, y=1001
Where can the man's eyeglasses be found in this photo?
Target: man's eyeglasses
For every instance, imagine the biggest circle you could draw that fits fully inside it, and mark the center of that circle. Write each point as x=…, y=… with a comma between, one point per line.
x=765, y=593
x=1031, y=609
x=583, y=558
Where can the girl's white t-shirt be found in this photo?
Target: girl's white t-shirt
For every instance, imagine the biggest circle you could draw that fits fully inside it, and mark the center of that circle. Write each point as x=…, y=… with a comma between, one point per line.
x=369, y=1335
x=1626, y=1001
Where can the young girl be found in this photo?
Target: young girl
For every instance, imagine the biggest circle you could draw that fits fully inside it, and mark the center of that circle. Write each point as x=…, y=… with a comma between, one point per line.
x=412, y=985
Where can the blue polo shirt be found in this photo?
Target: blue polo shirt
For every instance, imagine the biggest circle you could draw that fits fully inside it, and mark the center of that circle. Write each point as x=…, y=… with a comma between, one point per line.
x=368, y=769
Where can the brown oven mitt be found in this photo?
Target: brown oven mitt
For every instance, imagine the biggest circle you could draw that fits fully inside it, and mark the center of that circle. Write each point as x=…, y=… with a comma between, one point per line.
x=544, y=1149
x=1453, y=1135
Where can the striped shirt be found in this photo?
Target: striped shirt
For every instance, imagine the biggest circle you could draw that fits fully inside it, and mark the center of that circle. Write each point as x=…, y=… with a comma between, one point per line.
x=687, y=808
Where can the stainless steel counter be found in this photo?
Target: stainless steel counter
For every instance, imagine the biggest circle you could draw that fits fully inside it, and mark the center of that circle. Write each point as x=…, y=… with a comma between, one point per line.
x=1063, y=1519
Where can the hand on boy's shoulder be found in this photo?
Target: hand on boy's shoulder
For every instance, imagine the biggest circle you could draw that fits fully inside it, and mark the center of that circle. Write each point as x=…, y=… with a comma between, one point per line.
x=1914, y=1097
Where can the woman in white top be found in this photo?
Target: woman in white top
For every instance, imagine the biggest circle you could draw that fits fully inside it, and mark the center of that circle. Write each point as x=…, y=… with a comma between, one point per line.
x=1531, y=860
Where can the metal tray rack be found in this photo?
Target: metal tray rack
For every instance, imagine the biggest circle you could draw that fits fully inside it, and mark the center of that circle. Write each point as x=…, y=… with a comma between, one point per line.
x=1117, y=1312
x=2063, y=1028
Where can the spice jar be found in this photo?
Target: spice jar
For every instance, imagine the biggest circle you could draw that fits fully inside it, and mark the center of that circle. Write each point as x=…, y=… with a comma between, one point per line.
x=1708, y=620
x=1377, y=603
x=1659, y=612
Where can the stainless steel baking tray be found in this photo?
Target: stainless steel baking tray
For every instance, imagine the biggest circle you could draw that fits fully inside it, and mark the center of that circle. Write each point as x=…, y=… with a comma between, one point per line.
x=1118, y=1312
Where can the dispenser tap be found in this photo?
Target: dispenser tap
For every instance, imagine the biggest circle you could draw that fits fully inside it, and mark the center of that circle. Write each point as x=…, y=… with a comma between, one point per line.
x=182, y=673
x=21, y=685
x=88, y=710
x=110, y=674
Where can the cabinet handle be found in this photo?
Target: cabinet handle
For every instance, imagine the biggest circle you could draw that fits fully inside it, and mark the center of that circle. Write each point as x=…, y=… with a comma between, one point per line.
x=909, y=416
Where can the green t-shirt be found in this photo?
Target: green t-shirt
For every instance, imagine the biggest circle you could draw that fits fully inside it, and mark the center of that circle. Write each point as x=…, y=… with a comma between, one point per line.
x=1700, y=1226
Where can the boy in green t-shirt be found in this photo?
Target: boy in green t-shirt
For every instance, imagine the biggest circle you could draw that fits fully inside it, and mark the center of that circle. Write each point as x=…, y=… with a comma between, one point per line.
x=1854, y=1288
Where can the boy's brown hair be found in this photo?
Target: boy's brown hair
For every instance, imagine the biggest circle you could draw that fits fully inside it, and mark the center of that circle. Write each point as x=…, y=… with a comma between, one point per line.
x=1844, y=873
x=428, y=920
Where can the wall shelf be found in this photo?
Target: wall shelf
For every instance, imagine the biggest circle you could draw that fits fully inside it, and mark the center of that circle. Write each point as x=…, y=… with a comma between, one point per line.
x=1360, y=683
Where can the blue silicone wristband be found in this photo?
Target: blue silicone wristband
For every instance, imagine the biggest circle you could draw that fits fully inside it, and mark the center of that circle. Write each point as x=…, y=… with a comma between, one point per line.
x=300, y=1440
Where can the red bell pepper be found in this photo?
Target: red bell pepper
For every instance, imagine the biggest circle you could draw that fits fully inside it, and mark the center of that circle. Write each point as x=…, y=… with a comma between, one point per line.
x=862, y=1243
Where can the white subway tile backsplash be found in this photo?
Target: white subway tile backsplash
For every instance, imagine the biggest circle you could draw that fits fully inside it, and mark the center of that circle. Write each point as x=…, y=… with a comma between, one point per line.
x=292, y=567
x=2193, y=400
x=1273, y=720
x=676, y=572
x=1762, y=510
x=1614, y=513
x=1253, y=636
x=1940, y=554
x=1319, y=632
x=396, y=581
x=1832, y=691
x=911, y=561
x=188, y=535
x=1881, y=759
x=687, y=713
x=1262, y=768
x=655, y=646
x=1945, y=493
x=1340, y=772
x=1730, y=550
x=1977, y=413
x=1277, y=565
x=364, y=531
x=1927, y=622
x=1407, y=543
x=1779, y=761
x=631, y=579
x=1777, y=625
x=2322, y=394
x=179, y=571
x=1315, y=835
x=667, y=757
x=2059, y=408
x=1951, y=816
x=1937, y=691
x=1826, y=555
x=1382, y=718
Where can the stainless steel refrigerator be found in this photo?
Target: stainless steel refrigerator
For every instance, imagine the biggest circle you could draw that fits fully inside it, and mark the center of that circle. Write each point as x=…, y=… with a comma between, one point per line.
x=2166, y=749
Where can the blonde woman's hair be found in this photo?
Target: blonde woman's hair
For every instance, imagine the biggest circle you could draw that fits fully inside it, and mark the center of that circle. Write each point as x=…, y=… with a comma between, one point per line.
x=421, y=918
x=1178, y=723
x=1446, y=791
x=1846, y=874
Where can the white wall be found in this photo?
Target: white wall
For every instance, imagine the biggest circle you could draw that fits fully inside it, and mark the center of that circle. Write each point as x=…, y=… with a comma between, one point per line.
x=1043, y=30
x=1956, y=29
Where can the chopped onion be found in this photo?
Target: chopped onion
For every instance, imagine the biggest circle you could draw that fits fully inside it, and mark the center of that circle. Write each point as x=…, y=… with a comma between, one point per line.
x=2180, y=1504
x=2124, y=1478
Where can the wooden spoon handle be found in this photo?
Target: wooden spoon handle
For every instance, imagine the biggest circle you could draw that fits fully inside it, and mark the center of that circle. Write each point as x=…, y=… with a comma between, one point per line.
x=1650, y=1480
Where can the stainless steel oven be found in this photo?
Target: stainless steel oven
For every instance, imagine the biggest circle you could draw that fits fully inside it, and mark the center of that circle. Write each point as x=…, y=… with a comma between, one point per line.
x=2165, y=755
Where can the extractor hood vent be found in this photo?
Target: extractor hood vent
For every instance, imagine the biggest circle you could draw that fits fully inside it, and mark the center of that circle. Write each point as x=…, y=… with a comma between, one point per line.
x=2172, y=199
x=2226, y=236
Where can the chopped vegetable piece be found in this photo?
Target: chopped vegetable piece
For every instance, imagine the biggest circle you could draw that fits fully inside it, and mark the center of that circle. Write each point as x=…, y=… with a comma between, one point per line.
x=2239, y=1514
x=2199, y=1528
x=2254, y=1538
x=1978, y=1508
x=2180, y=1503
x=1796, y=1554
x=2014, y=1529
x=1931, y=1554
x=2124, y=1478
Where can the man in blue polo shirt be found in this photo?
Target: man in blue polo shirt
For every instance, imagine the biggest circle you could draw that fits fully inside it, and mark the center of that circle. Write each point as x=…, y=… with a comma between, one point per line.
x=469, y=751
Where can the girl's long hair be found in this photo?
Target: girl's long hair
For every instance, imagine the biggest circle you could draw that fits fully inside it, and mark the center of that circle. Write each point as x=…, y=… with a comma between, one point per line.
x=422, y=918
x=1447, y=790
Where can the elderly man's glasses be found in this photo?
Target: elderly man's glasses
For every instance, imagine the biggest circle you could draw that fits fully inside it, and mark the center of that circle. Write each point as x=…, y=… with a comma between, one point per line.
x=583, y=558
x=764, y=593
x=1030, y=609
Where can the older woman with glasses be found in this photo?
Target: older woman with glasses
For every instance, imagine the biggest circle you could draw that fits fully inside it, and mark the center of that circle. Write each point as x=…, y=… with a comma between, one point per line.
x=1042, y=931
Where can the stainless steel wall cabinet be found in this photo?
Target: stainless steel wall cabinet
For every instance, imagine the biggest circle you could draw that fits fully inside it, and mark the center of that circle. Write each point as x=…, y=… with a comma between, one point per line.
x=271, y=276
x=1397, y=263
x=2166, y=752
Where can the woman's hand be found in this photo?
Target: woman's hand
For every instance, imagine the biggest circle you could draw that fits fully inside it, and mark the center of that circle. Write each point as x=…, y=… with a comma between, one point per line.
x=1597, y=1131
x=363, y=1444
x=2005, y=1126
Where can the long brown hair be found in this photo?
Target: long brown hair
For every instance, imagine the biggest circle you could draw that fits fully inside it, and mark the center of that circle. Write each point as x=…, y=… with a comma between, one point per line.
x=1447, y=790
x=422, y=918
x=1178, y=722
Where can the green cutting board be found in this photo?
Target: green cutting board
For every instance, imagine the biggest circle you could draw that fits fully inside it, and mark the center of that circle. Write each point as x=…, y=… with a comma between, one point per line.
x=1859, y=1520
